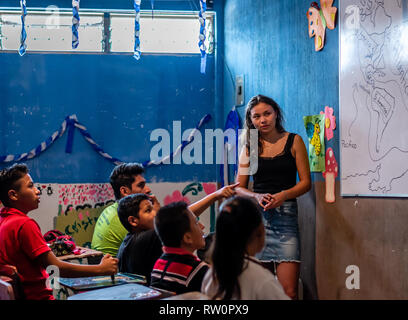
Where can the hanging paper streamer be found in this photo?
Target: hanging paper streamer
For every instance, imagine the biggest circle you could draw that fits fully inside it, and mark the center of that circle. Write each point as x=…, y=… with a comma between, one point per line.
x=315, y=131
x=23, y=37
x=136, y=53
x=75, y=23
x=201, y=43
x=234, y=124
x=71, y=122
x=180, y=148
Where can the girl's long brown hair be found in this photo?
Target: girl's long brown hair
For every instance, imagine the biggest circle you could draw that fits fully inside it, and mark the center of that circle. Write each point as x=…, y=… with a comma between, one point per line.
x=248, y=122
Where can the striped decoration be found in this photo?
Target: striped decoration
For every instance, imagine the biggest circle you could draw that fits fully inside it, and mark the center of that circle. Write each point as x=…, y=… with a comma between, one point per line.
x=201, y=43
x=72, y=122
x=40, y=148
x=75, y=23
x=23, y=37
x=136, y=51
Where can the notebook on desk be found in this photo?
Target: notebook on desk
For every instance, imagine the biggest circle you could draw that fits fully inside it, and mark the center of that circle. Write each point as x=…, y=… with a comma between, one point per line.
x=90, y=283
x=130, y=291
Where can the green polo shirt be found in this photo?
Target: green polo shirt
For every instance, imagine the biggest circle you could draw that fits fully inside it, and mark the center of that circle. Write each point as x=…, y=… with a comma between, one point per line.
x=109, y=231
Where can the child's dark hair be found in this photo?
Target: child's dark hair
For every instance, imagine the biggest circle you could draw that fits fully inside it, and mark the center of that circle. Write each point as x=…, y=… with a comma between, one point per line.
x=8, y=178
x=171, y=223
x=235, y=225
x=130, y=206
x=253, y=102
x=124, y=175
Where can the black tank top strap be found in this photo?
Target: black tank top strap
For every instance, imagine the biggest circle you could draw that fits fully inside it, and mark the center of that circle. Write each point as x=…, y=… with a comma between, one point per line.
x=289, y=142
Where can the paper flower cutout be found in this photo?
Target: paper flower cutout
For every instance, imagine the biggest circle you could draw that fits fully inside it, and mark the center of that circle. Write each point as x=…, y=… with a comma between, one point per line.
x=175, y=197
x=329, y=123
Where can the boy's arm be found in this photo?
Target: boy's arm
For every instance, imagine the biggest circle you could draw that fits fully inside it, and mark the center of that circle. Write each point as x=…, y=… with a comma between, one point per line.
x=198, y=207
x=108, y=266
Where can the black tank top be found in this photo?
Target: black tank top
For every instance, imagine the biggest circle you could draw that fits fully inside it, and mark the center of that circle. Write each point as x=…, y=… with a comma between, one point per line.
x=277, y=173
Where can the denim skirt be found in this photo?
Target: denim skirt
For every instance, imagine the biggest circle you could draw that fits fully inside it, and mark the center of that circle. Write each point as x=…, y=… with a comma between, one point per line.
x=281, y=234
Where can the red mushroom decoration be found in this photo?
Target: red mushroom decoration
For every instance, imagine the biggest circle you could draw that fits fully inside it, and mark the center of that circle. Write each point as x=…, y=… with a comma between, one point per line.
x=330, y=175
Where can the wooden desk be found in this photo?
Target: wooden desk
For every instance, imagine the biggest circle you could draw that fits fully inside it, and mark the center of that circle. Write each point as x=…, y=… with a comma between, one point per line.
x=86, y=256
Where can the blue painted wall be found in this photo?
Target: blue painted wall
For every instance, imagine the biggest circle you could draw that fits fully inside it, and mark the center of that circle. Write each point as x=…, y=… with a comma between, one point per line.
x=268, y=43
x=119, y=100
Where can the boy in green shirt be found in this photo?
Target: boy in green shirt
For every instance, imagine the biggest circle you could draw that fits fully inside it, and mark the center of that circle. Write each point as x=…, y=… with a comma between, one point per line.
x=109, y=232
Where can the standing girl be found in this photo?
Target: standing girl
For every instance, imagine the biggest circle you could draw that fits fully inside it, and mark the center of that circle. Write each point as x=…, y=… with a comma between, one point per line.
x=281, y=155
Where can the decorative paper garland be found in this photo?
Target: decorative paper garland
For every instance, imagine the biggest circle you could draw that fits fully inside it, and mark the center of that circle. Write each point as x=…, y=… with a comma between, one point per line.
x=71, y=122
x=75, y=23
x=201, y=43
x=41, y=147
x=23, y=37
x=136, y=50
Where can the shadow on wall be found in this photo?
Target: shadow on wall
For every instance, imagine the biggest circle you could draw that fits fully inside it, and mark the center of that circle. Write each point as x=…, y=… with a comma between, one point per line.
x=307, y=228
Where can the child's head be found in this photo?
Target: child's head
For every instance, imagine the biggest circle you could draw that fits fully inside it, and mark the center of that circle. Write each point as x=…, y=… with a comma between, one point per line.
x=136, y=212
x=17, y=189
x=127, y=178
x=239, y=232
x=178, y=227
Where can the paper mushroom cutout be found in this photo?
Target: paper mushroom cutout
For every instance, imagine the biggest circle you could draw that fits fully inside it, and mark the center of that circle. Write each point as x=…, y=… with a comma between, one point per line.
x=330, y=175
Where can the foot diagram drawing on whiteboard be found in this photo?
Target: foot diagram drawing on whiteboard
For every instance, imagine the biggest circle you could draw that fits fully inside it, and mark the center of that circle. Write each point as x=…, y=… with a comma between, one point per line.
x=374, y=138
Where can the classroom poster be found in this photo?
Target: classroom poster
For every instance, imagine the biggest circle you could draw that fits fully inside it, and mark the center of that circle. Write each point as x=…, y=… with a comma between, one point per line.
x=315, y=132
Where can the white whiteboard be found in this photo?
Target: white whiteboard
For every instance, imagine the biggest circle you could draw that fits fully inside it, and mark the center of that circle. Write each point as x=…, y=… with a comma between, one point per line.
x=373, y=98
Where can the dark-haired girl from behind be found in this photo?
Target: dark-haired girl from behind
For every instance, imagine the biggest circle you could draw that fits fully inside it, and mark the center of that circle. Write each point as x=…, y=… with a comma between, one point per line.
x=235, y=273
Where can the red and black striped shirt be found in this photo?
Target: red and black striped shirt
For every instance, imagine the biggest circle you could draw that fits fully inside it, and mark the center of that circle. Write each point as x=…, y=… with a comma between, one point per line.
x=178, y=270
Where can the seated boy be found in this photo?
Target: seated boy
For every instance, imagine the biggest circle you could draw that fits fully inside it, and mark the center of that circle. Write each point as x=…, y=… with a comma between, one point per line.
x=125, y=179
x=178, y=269
x=22, y=244
x=141, y=247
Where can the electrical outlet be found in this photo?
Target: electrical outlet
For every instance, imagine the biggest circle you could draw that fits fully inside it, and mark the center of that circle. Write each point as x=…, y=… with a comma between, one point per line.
x=239, y=90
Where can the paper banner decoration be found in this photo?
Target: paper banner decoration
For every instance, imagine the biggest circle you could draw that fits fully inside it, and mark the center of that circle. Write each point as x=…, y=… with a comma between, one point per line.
x=201, y=43
x=23, y=36
x=233, y=123
x=319, y=19
x=329, y=123
x=136, y=50
x=314, y=128
x=75, y=23
x=330, y=174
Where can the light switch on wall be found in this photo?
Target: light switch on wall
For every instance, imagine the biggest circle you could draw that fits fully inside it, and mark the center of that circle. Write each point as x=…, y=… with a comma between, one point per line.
x=239, y=90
